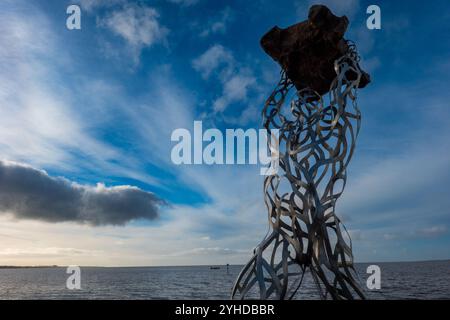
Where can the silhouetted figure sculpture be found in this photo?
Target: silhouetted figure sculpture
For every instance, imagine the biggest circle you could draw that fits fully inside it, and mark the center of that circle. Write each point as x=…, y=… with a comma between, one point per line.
x=317, y=133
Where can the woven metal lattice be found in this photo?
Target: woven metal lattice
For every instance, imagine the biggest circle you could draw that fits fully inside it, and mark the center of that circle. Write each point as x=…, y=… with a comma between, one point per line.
x=317, y=137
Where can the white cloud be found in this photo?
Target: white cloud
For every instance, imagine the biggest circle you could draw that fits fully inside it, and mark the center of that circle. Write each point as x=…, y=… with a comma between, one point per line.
x=235, y=89
x=46, y=252
x=432, y=231
x=218, y=25
x=139, y=26
x=213, y=58
x=163, y=109
x=208, y=251
x=236, y=80
x=45, y=120
x=90, y=5
x=249, y=114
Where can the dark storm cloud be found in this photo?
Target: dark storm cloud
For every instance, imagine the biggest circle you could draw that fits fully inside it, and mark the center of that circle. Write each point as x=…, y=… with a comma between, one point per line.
x=28, y=193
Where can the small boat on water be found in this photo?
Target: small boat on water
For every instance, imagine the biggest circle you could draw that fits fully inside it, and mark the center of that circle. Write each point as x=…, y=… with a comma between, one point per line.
x=214, y=267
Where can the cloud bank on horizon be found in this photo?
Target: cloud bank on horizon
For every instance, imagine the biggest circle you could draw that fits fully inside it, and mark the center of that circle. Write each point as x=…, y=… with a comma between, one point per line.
x=100, y=103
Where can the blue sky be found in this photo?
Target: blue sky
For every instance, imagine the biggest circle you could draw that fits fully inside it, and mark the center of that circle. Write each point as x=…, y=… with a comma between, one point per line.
x=98, y=105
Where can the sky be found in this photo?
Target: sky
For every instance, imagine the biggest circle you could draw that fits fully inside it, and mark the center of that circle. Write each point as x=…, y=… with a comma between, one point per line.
x=86, y=176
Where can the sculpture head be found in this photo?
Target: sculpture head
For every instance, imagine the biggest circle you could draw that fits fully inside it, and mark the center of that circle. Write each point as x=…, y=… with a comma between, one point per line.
x=307, y=50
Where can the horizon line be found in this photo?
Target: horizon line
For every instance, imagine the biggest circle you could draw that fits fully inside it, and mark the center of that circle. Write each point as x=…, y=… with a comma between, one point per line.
x=191, y=265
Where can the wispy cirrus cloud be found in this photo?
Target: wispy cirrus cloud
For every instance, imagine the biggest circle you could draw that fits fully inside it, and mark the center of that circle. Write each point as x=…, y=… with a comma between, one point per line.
x=38, y=121
x=215, y=57
x=433, y=231
x=236, y=80
x=235, y=89
x=53, y=123
x=90, y=5
x=218, y=24
x=138, y=25
x=47, y=252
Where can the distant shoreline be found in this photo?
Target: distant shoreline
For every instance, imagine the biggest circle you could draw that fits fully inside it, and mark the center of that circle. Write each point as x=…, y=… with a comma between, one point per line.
x=28, y=267
x=199, y=265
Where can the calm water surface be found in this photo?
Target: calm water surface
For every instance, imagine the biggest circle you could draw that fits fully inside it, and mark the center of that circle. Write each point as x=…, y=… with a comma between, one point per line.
x=404, y=280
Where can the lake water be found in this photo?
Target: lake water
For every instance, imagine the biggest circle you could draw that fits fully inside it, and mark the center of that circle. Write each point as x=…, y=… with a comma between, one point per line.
x=404, y=280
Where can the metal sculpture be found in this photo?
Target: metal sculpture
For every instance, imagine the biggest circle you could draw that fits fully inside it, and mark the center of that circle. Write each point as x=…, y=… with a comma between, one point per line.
x=316, y=141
